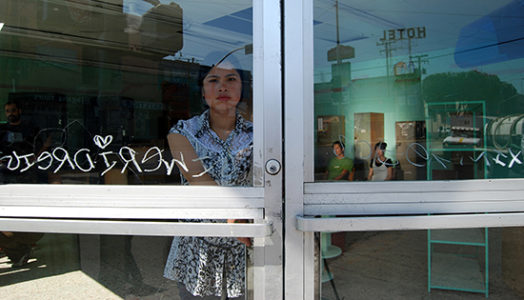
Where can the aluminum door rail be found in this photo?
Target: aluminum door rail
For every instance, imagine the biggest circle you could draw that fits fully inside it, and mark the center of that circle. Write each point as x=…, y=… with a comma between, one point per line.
x=312, y=224
x=263, y=229
x=131, y=202
x=414, y=197
x=132, y=210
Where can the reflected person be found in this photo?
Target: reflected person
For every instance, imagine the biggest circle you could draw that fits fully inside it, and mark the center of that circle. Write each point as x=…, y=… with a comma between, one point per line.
x=340, y=167
x=17, y=136
x=217, y=148
x=380, y=167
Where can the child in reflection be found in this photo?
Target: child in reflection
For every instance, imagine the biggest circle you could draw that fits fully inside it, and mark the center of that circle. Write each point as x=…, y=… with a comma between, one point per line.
x=217, y=148
x=381, y=167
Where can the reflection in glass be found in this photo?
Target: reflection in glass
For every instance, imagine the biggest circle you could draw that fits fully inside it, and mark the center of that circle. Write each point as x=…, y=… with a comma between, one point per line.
x=99, y=84
x=340, y=167
x=395, y=264
x=91, y=90
x=65, y=266
x=440, y=83
x=214, y=147
x=436, y=88
x=70, y=266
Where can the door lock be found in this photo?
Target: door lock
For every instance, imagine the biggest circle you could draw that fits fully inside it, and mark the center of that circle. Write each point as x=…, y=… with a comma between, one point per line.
x=273, y=166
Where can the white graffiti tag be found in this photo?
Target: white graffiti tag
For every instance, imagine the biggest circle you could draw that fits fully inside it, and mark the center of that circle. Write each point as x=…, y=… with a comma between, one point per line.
x=85, y=161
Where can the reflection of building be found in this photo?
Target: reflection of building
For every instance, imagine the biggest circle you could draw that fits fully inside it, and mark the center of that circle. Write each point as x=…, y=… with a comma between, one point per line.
x=394, y=99
x=80, y=71
x=99, y=60
x=158, y=32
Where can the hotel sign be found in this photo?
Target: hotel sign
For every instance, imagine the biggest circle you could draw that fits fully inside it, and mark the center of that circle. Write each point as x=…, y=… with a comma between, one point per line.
x=404, y=34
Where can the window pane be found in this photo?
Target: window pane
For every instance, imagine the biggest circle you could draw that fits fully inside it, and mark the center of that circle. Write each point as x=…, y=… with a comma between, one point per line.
x=66, y=266
x=91, y=89
x=418, y=90
x=446, y=264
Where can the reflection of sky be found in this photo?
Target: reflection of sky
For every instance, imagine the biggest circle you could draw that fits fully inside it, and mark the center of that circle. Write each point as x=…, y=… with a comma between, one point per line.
x=140, y=7
x=362, y=24
x=208, y=26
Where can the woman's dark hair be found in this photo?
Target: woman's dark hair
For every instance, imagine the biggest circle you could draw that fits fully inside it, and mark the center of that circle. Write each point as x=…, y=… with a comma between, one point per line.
x=338, y=143
x=382, y=146
x=245, y=76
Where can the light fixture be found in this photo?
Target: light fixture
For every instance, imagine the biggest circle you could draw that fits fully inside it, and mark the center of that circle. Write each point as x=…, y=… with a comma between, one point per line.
x=1, y=26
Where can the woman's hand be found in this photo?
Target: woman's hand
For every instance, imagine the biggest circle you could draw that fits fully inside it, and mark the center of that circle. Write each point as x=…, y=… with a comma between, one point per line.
x=193, y=170
x=244, y=240
x=182, y=150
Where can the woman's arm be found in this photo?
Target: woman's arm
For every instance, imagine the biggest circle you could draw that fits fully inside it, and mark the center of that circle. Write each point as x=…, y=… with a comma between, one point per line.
x=370, y=175
x=390, y=173
x=182, y=150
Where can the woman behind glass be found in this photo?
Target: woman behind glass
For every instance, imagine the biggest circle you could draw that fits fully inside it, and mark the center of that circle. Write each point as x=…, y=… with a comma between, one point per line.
x=380, y=167
x=216, y=147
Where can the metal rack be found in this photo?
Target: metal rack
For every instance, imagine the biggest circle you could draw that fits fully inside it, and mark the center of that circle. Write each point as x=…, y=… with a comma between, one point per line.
x=455, y=260
x=459, y=271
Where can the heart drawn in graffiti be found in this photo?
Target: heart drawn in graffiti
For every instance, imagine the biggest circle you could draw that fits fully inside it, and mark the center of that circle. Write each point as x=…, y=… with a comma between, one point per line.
x=102, y=142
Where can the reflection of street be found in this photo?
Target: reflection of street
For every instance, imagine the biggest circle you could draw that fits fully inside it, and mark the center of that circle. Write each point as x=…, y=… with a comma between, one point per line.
x=91, y=267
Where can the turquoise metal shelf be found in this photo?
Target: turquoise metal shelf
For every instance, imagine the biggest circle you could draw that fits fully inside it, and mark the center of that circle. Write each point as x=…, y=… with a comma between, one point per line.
x=454, y=271
x=459, y=273
x=466, y=237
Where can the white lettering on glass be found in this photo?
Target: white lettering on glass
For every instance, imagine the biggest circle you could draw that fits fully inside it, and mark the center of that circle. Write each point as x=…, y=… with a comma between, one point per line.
x=153, y=160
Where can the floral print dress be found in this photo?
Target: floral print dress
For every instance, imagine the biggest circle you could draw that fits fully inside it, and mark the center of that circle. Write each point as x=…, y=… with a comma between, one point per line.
x=202, y=263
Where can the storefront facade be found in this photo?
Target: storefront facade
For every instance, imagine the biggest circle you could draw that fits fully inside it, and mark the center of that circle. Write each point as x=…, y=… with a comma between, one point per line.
x=425, y=97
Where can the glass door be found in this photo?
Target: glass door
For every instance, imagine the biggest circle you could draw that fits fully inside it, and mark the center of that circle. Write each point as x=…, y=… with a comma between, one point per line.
x=411, y=147
x=141, y=149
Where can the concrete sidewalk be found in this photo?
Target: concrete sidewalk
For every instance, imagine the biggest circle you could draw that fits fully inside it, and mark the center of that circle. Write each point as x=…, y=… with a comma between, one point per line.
x=108, y=267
